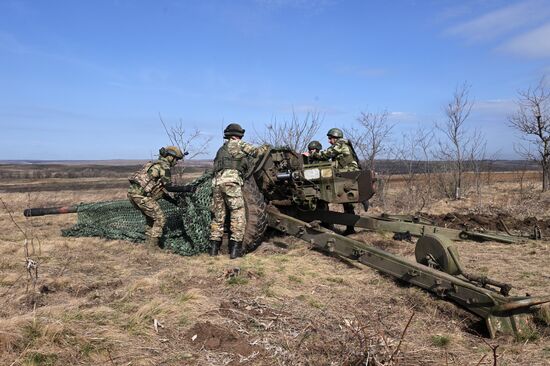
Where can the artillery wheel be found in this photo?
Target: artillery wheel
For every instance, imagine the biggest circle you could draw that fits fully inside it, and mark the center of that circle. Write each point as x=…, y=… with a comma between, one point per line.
x=256, y=215
x=432, y=248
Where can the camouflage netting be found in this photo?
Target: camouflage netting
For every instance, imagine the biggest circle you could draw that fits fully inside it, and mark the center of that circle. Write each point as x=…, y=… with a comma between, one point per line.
x=187, y=228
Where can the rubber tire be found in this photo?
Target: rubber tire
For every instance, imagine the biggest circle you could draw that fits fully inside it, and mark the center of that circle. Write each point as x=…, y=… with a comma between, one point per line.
x=256, y=215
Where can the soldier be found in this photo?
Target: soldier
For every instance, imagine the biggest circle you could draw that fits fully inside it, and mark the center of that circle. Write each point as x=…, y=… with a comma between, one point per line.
x=150, y=184
x=341, y=152
x=313, y=147
x=230, y=165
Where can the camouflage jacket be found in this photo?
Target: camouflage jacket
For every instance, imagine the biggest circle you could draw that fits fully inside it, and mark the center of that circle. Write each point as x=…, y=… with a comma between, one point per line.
x=341, y=153
x=238, y=149
x=151, y=179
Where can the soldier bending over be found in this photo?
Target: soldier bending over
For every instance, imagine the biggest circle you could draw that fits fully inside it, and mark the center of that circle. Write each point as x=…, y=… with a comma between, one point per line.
x=148, y=185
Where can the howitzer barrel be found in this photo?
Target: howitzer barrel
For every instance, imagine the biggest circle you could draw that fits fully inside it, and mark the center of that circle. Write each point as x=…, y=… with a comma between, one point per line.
x=41, y=211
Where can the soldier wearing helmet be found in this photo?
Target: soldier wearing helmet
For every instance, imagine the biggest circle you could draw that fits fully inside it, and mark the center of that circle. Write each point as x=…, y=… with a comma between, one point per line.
x=341, y=151
x=148, y=185
x=342, y=154
x=313, y=147
x=230, y=165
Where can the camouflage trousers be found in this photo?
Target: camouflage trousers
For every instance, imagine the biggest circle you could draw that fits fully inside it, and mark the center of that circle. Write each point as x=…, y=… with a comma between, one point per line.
x=154, y=216
x=228, y=197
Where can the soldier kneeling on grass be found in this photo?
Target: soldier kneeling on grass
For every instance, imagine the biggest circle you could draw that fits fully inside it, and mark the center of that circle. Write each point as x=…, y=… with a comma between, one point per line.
x=230, y=165
x=148, y=185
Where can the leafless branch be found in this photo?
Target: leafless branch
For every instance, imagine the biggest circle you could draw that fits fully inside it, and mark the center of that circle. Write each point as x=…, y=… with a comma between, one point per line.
x=194, y=142
x=402, y=337
x=458, y=148
x=371, y=138
x=295, y=134
x=532, y=121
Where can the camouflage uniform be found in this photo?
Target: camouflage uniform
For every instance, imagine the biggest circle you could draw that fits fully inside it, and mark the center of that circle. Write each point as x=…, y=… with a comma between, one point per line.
x=313, y=147
x=227, y=188
x=145, y=196
x=341, y=153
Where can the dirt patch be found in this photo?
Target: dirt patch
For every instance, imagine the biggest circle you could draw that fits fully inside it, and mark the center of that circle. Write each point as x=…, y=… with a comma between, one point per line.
x=492, y=222
x=216, y=338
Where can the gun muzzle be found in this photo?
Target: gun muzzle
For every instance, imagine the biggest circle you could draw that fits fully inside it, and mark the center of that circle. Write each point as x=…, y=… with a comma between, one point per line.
x=41, y=211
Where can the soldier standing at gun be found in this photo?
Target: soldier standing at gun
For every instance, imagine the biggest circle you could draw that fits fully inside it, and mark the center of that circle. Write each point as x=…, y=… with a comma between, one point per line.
x=150, y=184
x=343, y=155
x=230, y=165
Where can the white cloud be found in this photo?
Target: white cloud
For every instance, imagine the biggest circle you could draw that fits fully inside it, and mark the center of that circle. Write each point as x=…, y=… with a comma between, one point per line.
x=402, y=115
x=535, y=43
x=502, y=21
x=404, y=118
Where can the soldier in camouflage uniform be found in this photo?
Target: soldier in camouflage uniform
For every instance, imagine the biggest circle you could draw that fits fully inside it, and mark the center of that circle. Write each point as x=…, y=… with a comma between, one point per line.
x=229, y=166
x=342, y=154
x=150, y=184
x=313, y=147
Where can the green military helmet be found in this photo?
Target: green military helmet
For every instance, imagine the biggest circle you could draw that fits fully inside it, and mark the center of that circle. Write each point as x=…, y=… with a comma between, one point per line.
x=233, y=129
x=314, y=145
x=171, y=151
x=335, y=132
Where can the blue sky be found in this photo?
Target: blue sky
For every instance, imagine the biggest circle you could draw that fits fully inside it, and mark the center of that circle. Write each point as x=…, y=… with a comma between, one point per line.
x=88, y=79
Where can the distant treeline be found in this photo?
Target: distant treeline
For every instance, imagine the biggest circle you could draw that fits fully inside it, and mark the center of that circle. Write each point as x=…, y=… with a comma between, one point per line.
x=407, y=166
x=42, y=171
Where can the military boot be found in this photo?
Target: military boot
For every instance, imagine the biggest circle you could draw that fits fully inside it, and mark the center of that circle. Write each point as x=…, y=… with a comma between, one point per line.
x=152, y=243
x=236, y=249
x=215, y=247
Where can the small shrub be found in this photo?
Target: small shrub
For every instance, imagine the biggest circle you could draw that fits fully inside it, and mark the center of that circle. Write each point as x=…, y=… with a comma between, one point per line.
x=338, y=280
x=31, y=332
x=529, y=335
x=296, y=279
x=440, y=340
x=41, y=359
x=316, y=304
x=183, y=298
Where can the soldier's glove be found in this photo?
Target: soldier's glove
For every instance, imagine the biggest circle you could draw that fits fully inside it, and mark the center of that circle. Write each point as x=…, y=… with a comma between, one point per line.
x=171, y=199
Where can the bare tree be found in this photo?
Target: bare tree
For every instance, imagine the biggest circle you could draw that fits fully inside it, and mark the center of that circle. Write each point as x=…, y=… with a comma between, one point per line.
x=193, y=142
x=413, y=154
x=371, y=138
x=453, y=148
x=532, y=120
x=295, y=134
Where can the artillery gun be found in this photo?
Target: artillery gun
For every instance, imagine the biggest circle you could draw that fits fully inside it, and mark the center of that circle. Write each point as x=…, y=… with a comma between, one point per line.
x=287, y=195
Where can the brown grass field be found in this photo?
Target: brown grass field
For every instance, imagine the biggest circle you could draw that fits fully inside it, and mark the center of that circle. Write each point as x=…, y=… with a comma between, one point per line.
x=96, y=301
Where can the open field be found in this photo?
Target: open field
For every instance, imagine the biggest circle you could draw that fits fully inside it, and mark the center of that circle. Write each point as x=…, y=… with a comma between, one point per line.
x=95, y=301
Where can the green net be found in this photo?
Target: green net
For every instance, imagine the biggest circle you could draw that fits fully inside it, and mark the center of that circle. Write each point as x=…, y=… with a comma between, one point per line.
x=187, y=230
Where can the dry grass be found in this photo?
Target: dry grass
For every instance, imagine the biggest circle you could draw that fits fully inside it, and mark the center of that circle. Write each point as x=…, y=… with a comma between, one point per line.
x=95, y=301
